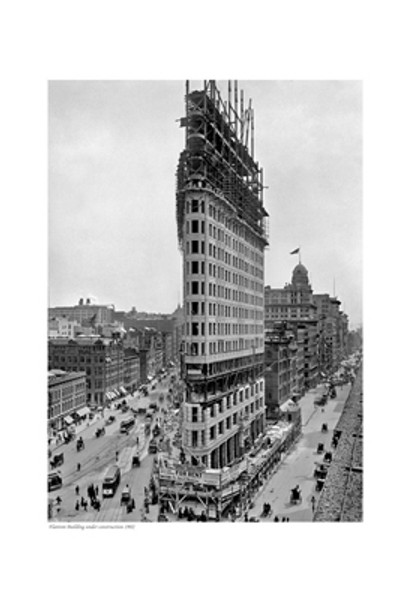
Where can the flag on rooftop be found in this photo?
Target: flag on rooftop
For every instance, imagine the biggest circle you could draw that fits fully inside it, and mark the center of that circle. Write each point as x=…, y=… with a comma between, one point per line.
x=295, y=251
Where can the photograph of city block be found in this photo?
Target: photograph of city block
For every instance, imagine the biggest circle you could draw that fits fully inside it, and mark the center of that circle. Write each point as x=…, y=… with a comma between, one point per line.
x=205, y=310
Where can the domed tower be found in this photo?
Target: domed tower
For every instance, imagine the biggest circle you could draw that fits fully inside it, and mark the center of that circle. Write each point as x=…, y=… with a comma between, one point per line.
x=300, y=278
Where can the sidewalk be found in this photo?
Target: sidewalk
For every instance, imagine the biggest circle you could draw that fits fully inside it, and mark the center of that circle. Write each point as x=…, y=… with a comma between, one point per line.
x=298, y=466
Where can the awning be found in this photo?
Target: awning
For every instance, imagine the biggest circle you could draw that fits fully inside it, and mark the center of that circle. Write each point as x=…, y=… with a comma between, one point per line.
x=68, y=420
x=124, y=391
x=81, y=412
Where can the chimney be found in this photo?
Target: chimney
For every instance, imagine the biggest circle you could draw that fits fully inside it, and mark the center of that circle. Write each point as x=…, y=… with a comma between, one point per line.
x=81, y=302
x=88, y=301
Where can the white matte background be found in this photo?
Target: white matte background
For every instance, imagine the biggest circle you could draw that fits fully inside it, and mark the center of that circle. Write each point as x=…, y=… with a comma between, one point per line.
x=294, y=40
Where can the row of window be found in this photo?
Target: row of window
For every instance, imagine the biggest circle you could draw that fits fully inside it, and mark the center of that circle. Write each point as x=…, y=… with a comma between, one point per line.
x=223, y=310
x=196, y=267
x=198, y=226
x=221, y=347
x=196, y=288
x=195, y=206
x=198, y=247
x=224, y=425
x=226, y=403
x=195, y=328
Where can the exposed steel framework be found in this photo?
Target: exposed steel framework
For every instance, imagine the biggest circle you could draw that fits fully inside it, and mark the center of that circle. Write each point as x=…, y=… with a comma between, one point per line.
x=219, y=154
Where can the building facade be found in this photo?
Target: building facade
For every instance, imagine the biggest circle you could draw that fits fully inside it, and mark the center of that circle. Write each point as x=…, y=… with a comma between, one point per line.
x=66, y=395
x=85, y=313
x=132, y=376
x=281, y=368
x=63, y=327
x=102, y=360
x=222, y=235
x=294, y=305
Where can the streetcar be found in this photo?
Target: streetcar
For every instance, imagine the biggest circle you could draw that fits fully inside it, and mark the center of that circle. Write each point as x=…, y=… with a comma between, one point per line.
x=55, y=481
x=127, y=424
x=111, y=481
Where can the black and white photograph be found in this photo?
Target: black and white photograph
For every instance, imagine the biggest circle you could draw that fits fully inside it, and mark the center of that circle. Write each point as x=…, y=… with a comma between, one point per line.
x=205, y=301
x=204, y=376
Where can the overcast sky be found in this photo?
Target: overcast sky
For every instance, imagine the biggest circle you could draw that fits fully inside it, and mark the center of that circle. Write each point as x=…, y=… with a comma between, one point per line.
x=113, y=152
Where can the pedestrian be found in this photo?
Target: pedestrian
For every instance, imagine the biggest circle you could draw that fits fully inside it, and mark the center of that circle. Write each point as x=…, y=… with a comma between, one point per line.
x=85, y=505
x=246, y=517
x=77, y=506
x=77, y=490
x=116, y=455
x=96, y=490
x=283, y=519
x=78, y=467
x=276, y=519
x=313, y=500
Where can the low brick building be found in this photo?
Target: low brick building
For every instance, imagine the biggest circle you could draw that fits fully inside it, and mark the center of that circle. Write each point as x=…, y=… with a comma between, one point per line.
x=66, y=396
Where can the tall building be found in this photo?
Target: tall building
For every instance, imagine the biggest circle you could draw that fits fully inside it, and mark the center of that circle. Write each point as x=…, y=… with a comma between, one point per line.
x=333, y=325
x=281, y=368
x=294, y=304
x=222, y=234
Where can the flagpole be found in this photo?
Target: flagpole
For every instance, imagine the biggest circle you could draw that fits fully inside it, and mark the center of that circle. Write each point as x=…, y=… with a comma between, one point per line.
x=300, y=253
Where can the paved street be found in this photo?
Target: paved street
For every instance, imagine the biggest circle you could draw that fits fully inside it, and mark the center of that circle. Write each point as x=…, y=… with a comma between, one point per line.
x=99, y=453
x=298, y=466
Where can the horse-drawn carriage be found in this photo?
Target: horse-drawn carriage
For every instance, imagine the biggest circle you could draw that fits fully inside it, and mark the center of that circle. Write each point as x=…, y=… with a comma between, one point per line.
x=57, y=460
x=320, y=448
x=324, y=427
x=320, y=471
x=100, y=431
x=295, y=495
x=328, y=457
x=80, y=444
x=136, y=461
x=320, y=483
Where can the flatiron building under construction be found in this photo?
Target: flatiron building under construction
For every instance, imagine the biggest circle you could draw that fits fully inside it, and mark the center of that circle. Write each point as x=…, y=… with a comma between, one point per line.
x=222, y=231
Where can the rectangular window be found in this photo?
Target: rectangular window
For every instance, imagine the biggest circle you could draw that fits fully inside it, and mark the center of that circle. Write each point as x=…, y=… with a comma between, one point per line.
x=195, y=287
x=195, y=246
x=195, y=226
x=195, y=266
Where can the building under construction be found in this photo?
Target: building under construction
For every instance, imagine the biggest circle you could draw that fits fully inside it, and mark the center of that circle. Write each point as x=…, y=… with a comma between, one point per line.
x=222, y=231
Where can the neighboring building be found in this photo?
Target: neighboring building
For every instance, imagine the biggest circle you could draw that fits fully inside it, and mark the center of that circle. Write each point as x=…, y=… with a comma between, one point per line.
x=281, y=368
x=294, y=304
x=132, y=376
x=222, y=234
x=102, y=359
x=62, y=327
x=333, y=327
x=66, y=396
x=85, y=313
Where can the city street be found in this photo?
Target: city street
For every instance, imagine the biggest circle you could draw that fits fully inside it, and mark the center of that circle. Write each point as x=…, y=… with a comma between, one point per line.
x=100, y=452
x=298, y=466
